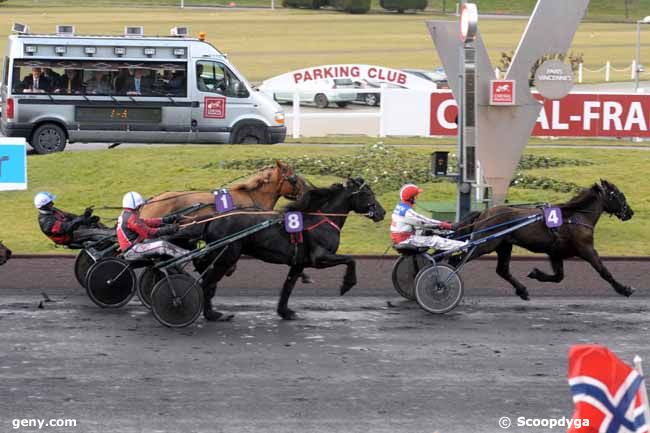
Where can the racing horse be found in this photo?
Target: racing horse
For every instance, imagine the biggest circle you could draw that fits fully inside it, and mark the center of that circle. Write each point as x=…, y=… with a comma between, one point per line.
x=574, y=238
x=5, y=254
x=324, y=211
x=262, y=190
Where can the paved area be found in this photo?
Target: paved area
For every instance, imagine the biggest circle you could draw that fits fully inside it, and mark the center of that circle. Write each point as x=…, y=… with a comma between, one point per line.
x=370, y=362
x=355, y=364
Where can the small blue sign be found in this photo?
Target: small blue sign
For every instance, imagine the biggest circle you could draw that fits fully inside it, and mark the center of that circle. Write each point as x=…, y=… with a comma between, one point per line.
x=223, y=201
x=13, y=164
x=293, y=222
x=553, y=217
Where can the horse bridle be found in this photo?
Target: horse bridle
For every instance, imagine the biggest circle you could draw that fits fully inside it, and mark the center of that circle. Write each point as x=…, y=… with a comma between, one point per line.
x=610, y=194
x=372, y=207
x=293, y=180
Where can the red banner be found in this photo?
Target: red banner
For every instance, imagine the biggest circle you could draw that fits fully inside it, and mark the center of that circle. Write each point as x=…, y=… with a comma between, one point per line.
x=577, y=115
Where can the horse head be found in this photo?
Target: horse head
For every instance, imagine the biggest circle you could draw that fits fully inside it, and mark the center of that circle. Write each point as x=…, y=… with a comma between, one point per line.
x=614, y=201
x=287, y=183
x=5, y=254
x=362, y=199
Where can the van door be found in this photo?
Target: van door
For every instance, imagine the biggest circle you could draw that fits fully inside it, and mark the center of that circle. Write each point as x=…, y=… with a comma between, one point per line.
x=220, y=100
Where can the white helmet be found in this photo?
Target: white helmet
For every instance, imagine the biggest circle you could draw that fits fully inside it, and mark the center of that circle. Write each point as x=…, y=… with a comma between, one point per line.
x=42, y=199
x=132, y=200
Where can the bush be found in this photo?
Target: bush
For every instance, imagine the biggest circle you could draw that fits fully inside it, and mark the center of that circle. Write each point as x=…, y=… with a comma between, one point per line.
x=351, y=6
x=402, y=5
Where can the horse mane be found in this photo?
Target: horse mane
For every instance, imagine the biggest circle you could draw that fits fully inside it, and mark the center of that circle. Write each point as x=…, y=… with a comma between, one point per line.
x=582, y=199
x=254, y=182
x=315, y=198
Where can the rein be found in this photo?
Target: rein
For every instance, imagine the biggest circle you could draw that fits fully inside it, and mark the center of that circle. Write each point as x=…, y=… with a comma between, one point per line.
x=274, y=213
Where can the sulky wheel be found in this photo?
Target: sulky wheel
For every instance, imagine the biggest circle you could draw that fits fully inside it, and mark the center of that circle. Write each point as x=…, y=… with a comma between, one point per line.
x=110, y=283
x=405, y=270
x=148, y=279
x=177, y=300
x=81, y=266
x=438, y=289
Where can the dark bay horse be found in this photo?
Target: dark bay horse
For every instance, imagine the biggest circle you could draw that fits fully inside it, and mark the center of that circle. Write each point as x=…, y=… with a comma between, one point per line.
x=324, y=213
x=5, y=254
x=575, y=238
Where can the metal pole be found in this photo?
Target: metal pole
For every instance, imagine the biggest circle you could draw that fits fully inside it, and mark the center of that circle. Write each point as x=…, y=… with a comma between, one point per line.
x=638, y=55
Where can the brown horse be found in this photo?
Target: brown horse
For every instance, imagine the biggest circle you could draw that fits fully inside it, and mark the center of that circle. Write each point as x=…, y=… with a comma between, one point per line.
x=5, y=254
x=261, y=191
x=574, y=238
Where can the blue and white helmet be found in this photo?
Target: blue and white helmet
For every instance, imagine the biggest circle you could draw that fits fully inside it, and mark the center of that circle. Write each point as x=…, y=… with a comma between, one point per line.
x=132, y=200
x=43, y=198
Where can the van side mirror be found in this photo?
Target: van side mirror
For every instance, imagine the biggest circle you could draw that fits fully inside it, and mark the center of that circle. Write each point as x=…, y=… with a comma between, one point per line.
x=240, y=90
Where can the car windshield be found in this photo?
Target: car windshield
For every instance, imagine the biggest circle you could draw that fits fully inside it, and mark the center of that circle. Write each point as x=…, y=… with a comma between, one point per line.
x=343, y=82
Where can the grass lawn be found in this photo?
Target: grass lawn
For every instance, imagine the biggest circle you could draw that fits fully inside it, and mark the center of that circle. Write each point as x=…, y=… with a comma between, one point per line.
x=264, y=43
x=100, y=178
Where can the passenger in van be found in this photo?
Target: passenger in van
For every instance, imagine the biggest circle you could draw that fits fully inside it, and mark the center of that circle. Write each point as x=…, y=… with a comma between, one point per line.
x=71, y=83
x=53, y=77
x=140, y=84
x=36, y=82
x=121, y=81
x=200, y=82
x=99, y=84
x=177, y=83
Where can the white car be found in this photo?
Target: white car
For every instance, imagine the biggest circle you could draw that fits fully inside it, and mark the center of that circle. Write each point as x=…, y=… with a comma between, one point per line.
x=322, y=92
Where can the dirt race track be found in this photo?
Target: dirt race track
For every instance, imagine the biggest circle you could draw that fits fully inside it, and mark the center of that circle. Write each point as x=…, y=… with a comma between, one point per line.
x=369, y=362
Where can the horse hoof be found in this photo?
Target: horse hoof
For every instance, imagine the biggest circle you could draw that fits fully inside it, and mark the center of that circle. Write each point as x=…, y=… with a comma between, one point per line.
x=627, y=291
x=288, y=315
x=307, y=280
x=346, y=288
x=534, y=274
x=524, y=295
x=216, y=316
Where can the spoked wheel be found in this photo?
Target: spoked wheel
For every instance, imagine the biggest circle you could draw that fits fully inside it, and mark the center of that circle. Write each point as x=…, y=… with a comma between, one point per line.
x=110, y=283
x=438, y=289
x=177, y=300
x=405, y=270
x=81, y=266
x=148, y=279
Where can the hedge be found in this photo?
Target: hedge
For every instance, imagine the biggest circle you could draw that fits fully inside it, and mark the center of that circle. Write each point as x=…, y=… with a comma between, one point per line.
x=402, y=5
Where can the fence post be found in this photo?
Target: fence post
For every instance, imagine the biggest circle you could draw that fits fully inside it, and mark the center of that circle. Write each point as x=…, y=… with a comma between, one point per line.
x=382, y=91
x=496, y=72
x=296, y=114
x=182, y=4
x=608, y=67
x=272, y=5
x=633, y=73
x=579, y=72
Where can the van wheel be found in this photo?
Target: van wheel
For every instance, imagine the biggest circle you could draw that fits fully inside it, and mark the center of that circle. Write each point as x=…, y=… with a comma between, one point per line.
x=371, y=99
x=321, y=100
x=249, y=135
x=48, y=138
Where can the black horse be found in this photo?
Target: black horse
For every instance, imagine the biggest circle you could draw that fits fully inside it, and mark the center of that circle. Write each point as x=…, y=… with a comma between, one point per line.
x=324, y=213
x=575, y=238
x=5, y=254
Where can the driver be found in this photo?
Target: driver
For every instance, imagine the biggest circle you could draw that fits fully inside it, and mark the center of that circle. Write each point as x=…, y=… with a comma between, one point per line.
x=405, y=221
x=137, y=236
x=64, y=228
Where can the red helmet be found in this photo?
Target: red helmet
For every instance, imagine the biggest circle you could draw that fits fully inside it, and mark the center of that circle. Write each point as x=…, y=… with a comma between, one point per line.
x=409, y=192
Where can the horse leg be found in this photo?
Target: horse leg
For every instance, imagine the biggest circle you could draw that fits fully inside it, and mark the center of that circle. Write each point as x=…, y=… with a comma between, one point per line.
x=330, y=260
x=589, y=254
x=558, y=272
x=283, y=309
x=306, y=279
x=209, y=285
x=504, y=252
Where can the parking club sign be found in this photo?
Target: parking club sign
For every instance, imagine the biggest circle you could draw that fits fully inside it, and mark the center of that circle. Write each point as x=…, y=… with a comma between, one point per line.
x=13, y=164
x=502, y=92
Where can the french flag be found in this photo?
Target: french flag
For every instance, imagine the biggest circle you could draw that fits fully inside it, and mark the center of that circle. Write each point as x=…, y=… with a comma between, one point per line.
x=607, y=392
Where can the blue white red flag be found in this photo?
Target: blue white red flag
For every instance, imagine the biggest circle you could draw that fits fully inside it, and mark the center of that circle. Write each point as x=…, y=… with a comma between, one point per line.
x=606, y=391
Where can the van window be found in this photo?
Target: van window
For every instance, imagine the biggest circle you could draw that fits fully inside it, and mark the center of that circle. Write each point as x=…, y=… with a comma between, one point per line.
x=5, y=71
x=214, y=77
x=100, y=78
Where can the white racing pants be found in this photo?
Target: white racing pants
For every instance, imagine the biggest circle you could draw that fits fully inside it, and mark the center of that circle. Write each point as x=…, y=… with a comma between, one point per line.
x=435, y=242
x=154, y=249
